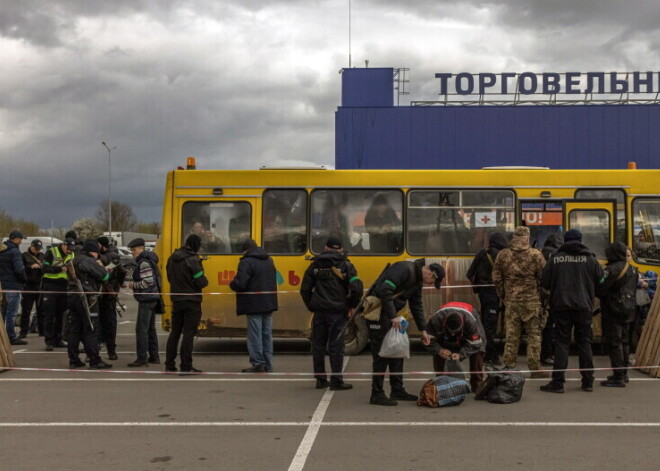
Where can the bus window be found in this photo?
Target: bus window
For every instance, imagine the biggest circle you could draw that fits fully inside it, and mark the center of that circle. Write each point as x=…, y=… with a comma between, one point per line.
x=284, y=221
x=646, y=230
x=544, y=218
x=595, y=227
x=222, y=226
x=456, y=222
x=610, y=194
x=366, y=221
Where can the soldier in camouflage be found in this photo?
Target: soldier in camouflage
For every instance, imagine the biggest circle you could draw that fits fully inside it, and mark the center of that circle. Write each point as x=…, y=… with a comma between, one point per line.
x=516, y=276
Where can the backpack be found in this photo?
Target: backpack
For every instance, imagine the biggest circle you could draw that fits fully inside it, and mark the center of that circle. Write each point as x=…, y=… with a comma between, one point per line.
x=623, y=301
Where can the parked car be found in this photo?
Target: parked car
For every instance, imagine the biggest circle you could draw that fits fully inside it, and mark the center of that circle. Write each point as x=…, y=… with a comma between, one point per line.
x=127, y=260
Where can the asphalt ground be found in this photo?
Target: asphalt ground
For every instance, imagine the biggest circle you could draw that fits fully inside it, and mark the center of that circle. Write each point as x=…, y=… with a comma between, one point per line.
x=83, y=420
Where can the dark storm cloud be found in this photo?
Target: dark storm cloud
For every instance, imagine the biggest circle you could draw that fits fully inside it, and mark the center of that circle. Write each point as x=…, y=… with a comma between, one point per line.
x=241, y=84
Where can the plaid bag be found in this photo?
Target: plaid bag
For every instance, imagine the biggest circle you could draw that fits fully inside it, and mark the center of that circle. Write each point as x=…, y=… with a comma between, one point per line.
x=443, y=391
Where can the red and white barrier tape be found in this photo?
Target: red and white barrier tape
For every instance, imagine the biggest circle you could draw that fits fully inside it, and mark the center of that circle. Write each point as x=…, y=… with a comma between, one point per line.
x=309, y=374
x=208, y=293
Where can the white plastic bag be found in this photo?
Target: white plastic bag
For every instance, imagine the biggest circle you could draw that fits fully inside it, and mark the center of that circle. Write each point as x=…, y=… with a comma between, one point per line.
x=395, y=345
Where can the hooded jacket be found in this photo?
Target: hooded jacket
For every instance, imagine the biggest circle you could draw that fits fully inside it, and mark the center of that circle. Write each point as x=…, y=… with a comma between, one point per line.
x=571, y=275
x=610, y=288
x=323, y=290
x=186, y=275
x=466, y=342
x=517, y=272
x=406, y=278
x=256, y=272
x=551, y=245
x=481, y=269
x=146, y=278
x=12, y=270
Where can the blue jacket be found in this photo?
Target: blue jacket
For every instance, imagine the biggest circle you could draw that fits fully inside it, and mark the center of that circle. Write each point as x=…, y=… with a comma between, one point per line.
x=12, y=270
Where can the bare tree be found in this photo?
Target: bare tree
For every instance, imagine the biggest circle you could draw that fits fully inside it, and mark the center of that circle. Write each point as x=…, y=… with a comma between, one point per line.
x=148, y=228
x=8, y=224
x=123, y=217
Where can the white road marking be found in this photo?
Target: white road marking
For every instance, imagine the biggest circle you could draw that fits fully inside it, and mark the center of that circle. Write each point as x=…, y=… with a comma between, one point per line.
x=126, y=322
x=305, y=447
x=22, y=350
x=317, y=424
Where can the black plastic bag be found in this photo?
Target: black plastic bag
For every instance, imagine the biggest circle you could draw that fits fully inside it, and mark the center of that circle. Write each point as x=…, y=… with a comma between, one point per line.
x=502, y=388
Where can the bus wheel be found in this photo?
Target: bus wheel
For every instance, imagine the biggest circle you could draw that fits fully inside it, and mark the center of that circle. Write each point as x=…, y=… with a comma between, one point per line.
x=357, y=336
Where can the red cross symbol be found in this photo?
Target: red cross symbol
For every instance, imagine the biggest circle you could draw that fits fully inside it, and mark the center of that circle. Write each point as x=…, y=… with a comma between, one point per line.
x=485, y=219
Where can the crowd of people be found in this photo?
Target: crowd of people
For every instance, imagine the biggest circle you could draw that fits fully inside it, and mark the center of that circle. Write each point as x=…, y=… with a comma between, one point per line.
x=549, y=294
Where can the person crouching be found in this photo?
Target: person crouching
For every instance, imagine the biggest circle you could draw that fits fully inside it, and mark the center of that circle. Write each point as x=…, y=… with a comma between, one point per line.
x=458, y=335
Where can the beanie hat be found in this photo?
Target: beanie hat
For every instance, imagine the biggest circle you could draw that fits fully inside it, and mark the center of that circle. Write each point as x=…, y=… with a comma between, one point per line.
x=454, y=322
x=71, y=235
x=15, y=235
x=91, y=245
x=194, y=242
x=104, y=241
x=573, y=235
x=333, y=243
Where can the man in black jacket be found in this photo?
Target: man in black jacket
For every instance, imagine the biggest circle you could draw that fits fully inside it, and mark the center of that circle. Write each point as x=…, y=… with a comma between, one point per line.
x=571, y=275
x=617, y=290
x=109, y=256
x=12, y=278
x=481, y=273
x=457, y=335
x=550, y=246
x=84, y=321
x=401, y=284
x=256, y=273
x=186, y=275
x=330, y=289
x=33, y=260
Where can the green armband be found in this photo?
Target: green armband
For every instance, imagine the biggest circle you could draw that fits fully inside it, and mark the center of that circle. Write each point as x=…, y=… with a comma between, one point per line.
x=197, y=275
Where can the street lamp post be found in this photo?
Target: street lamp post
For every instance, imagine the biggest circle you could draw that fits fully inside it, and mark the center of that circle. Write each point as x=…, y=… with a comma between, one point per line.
x=110, y=149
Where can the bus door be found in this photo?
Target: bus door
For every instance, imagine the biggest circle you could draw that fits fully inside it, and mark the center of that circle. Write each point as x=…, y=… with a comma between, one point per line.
x=595, y=219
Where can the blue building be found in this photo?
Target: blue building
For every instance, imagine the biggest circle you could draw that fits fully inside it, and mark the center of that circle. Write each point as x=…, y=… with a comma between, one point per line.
x=371, y=132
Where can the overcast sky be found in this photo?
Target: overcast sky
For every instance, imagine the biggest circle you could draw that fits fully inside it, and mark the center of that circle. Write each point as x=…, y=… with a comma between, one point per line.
x=246, y=83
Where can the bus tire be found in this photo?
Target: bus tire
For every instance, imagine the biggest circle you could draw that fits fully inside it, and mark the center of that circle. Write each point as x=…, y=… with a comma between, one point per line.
x=356, y=338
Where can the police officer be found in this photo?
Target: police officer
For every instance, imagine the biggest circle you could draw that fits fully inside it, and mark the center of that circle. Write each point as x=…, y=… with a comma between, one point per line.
x=186, y=275
x=481, y=273
x=109, y=256
x=458, y=334
x=33, y=260
x=617, y=290
x=401, y=284
x=330, y=289
x=84, y=319
x=516, y=275
x=571, y=275
x=552, y=243
x=54, y=285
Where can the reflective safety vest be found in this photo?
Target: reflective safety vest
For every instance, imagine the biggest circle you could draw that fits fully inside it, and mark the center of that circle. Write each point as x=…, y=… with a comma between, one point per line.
x=58, y=261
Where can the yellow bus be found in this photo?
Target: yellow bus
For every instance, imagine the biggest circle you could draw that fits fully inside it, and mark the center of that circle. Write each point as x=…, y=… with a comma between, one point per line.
x=384, y=216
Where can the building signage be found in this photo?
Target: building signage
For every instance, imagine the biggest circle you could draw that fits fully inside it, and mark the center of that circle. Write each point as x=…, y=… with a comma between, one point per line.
x=549, y=83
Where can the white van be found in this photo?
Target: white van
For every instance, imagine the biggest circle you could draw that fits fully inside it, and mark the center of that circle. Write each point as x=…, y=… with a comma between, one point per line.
x=47, y=241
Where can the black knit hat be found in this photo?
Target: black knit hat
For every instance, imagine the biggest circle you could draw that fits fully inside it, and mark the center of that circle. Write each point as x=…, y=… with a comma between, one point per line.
x=71, y=235
x=333, y=243
x=104, y=241
x=194, y=242
x=91, y=245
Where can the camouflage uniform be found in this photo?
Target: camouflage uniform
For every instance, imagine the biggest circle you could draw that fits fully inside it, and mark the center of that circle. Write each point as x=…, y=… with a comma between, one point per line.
x=516, y=276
